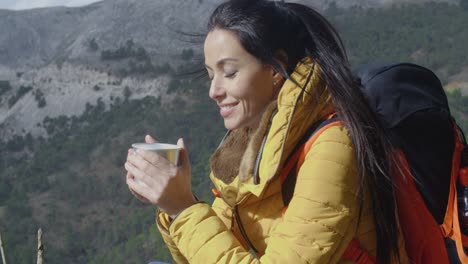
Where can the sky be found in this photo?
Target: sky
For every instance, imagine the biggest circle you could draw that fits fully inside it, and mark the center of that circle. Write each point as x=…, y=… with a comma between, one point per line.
x=28, y=4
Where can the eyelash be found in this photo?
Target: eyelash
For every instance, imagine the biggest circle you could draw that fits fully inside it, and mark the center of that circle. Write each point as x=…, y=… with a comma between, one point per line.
x=230, y=75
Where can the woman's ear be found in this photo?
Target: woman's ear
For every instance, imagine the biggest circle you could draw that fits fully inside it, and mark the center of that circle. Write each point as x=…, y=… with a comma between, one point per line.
x=282, y=59
x=277, y=77
x=278, y=81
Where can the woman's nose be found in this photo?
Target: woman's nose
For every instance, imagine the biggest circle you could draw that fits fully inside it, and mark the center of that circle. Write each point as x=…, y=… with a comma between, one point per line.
x=216, y=90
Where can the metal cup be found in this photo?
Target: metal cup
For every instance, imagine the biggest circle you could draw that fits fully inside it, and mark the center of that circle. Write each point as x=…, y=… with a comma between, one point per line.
x=168, y=151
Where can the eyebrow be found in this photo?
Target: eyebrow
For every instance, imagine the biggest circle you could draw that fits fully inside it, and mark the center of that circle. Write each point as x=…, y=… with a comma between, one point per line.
x=222, y=62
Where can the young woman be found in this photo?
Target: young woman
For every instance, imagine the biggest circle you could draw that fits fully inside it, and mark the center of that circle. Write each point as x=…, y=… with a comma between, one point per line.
x=276, y=70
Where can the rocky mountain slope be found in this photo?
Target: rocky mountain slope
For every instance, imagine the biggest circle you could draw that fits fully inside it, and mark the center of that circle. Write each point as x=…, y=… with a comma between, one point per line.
x=38, y=37
x=49, y=50
x=56, y=53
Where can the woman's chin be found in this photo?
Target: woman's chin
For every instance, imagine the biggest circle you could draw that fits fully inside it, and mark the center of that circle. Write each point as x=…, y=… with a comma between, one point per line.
x=230, y=124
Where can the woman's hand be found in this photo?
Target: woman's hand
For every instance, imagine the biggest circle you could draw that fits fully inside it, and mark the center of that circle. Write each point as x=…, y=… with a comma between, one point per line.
x=153, y=179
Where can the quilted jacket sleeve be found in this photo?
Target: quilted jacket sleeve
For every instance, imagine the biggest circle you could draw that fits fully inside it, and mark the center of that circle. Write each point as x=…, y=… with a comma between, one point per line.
x=322, y=216
x=163, y=222
x=317, y=226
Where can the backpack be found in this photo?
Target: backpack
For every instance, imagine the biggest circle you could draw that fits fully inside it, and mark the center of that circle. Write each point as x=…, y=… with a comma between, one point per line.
x=431, y=150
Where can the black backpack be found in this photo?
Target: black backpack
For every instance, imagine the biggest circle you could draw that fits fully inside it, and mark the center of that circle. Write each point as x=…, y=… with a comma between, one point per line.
x=411, y=104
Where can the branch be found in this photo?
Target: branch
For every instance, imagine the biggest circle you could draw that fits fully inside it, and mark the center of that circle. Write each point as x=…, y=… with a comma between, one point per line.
x=40, y=247
x=1, y=250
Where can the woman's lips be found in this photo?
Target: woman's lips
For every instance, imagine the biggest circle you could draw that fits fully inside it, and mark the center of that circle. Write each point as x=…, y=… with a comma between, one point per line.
x=226, y=110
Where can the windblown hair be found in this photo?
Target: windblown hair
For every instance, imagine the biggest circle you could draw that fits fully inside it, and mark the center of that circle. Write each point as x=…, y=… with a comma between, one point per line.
x=279, y=33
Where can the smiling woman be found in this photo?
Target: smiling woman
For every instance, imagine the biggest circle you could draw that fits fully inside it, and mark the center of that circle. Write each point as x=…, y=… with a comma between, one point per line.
x=241, y=85
x=278, y=71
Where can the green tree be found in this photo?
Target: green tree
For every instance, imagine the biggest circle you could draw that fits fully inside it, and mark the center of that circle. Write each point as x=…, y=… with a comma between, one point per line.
x=40, y=99
x=127, y=93
x=4, y=87
x=141, y=54
x=187, y=54
x=464, y=4
x=20, y=93
x=92, y=45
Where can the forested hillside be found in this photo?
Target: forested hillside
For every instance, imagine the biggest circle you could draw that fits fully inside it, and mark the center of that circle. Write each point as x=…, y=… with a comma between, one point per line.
x=433, y=34
x=72, y=182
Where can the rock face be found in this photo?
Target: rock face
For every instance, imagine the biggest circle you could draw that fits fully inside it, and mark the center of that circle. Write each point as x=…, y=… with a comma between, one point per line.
x=49, y=50
x=66, y=91
x=57, y=51
x=40, y=36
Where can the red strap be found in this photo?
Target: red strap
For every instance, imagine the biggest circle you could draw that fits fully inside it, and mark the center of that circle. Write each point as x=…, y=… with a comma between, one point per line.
x=290, y=165
x=216, y=192
x=353, y=252
x=300, y=154
x=356, y=254
x=451, y=225
x=305, y=149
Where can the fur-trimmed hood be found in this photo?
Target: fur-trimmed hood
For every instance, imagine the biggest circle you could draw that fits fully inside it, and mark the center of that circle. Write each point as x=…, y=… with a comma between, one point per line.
x=247, y=159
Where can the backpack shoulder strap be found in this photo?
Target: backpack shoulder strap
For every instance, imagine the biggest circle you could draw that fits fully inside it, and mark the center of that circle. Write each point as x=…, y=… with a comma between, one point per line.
x=288, y=175
x=451, y=225
x=353, y=252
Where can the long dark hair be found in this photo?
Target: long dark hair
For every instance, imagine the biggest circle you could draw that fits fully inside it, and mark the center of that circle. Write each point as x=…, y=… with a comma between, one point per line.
x=266, y=29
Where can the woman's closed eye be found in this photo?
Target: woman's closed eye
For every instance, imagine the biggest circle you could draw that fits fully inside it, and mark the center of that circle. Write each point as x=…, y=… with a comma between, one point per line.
x=230, y=74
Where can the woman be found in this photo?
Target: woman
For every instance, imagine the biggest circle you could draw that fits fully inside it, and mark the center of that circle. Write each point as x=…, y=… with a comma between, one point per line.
x=277, y=69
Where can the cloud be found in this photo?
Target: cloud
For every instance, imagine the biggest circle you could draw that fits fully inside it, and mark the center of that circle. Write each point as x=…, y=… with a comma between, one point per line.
x=28, y=4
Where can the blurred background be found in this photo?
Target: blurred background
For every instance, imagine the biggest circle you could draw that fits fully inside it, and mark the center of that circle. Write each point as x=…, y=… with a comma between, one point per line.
x=82, y=81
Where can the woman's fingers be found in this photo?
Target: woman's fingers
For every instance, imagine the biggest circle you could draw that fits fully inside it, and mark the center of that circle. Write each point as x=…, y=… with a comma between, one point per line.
x=139, y=197
x=184, y=160
x=140, y=191
x=130, y=176
x=152, y=178
x=150, y=139
x=148, y=160
x=139, y=175
x=145, y=188
x=141, y=162
x=150, y=157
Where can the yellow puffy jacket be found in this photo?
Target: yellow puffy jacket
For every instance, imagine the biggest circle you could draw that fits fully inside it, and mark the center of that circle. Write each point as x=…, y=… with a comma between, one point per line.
x=322, y=217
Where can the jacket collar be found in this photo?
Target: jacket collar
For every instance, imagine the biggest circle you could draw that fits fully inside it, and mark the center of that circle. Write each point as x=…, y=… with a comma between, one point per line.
x=244, y=154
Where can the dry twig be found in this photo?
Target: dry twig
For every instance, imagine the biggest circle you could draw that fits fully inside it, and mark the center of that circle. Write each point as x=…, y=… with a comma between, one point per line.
x=2, y=251
x=40, y=247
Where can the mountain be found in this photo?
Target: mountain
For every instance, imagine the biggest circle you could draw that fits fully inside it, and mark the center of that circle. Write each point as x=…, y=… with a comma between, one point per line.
x=65, y=57
x=38, y=37
x=79, y=85
x=58, y=51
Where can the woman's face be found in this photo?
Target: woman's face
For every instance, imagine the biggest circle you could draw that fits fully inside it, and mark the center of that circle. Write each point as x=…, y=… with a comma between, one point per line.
x=240, y=84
